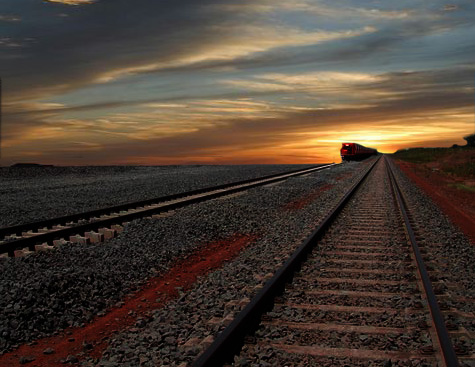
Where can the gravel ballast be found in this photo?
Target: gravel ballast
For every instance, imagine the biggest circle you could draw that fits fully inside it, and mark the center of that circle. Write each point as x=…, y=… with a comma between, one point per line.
x=448, y=252
x=177, y=333
x=49, y=291
x=33, y=194
x=46, y=292
x=164, y=340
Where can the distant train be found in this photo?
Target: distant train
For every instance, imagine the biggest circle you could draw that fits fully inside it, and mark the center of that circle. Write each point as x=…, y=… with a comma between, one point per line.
x=355, y=152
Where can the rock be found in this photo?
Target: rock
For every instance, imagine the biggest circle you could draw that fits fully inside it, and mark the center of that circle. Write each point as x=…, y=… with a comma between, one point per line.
x=71, y=359
x=87, y=346
x=26, y=359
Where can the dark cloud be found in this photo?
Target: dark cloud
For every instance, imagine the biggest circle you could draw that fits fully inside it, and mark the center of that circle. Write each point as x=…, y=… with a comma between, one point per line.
x=415, y=83
x=71, y=51
x=394, y=43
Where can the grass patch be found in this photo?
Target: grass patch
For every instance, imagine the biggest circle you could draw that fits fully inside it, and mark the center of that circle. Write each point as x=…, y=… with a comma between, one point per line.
x=463, y=187
x=461, y=169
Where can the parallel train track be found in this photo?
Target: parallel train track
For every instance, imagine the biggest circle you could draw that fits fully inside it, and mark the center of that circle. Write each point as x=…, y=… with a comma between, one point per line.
x=96, y=225
x=357, y=289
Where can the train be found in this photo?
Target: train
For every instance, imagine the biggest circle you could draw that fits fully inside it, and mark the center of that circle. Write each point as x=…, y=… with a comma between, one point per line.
x=355, y=152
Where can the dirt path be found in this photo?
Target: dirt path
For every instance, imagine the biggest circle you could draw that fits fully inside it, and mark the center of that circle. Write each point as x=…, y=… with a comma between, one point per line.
x=458, y=204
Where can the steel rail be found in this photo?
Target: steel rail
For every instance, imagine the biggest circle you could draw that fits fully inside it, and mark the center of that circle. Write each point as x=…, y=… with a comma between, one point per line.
x=230, y=340
x=18, y=229
x=188, y=198
x=448, y=352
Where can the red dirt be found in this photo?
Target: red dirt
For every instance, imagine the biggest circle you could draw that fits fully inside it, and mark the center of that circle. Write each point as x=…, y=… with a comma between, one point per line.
x=154, y=295
x=302, y=202
x=457, y=204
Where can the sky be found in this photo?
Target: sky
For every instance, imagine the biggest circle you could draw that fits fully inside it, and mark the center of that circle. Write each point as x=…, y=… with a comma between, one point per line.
x=112, y=82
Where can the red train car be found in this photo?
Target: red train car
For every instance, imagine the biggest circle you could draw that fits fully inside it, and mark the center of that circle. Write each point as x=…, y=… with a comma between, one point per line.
x=355, y=152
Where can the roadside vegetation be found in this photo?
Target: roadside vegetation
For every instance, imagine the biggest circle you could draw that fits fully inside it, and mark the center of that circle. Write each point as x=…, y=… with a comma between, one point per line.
x=461, y=186
x=456, y=161
x=423, y=155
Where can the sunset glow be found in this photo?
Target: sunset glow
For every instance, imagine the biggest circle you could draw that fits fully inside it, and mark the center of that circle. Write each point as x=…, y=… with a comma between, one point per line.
x=208, y=82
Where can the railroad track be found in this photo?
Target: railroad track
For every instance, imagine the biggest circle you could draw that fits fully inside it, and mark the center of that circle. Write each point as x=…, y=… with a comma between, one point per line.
x=99, y=225
x=356, y=292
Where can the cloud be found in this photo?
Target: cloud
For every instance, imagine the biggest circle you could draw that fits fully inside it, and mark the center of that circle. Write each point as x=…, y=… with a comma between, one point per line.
x=242, y=138
x=324, y=77
x=91, y=41
x=167, y=78
x=164, y=105
x=320, y=8
x=72, y=2
x=9, y=18
x=326, y=82
x=450, y=7
x=258, y=85
x=111, y=40
x=157, y=36
x=415, y=106
x=240, y=43
x=413, y=43
x=15, y=42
